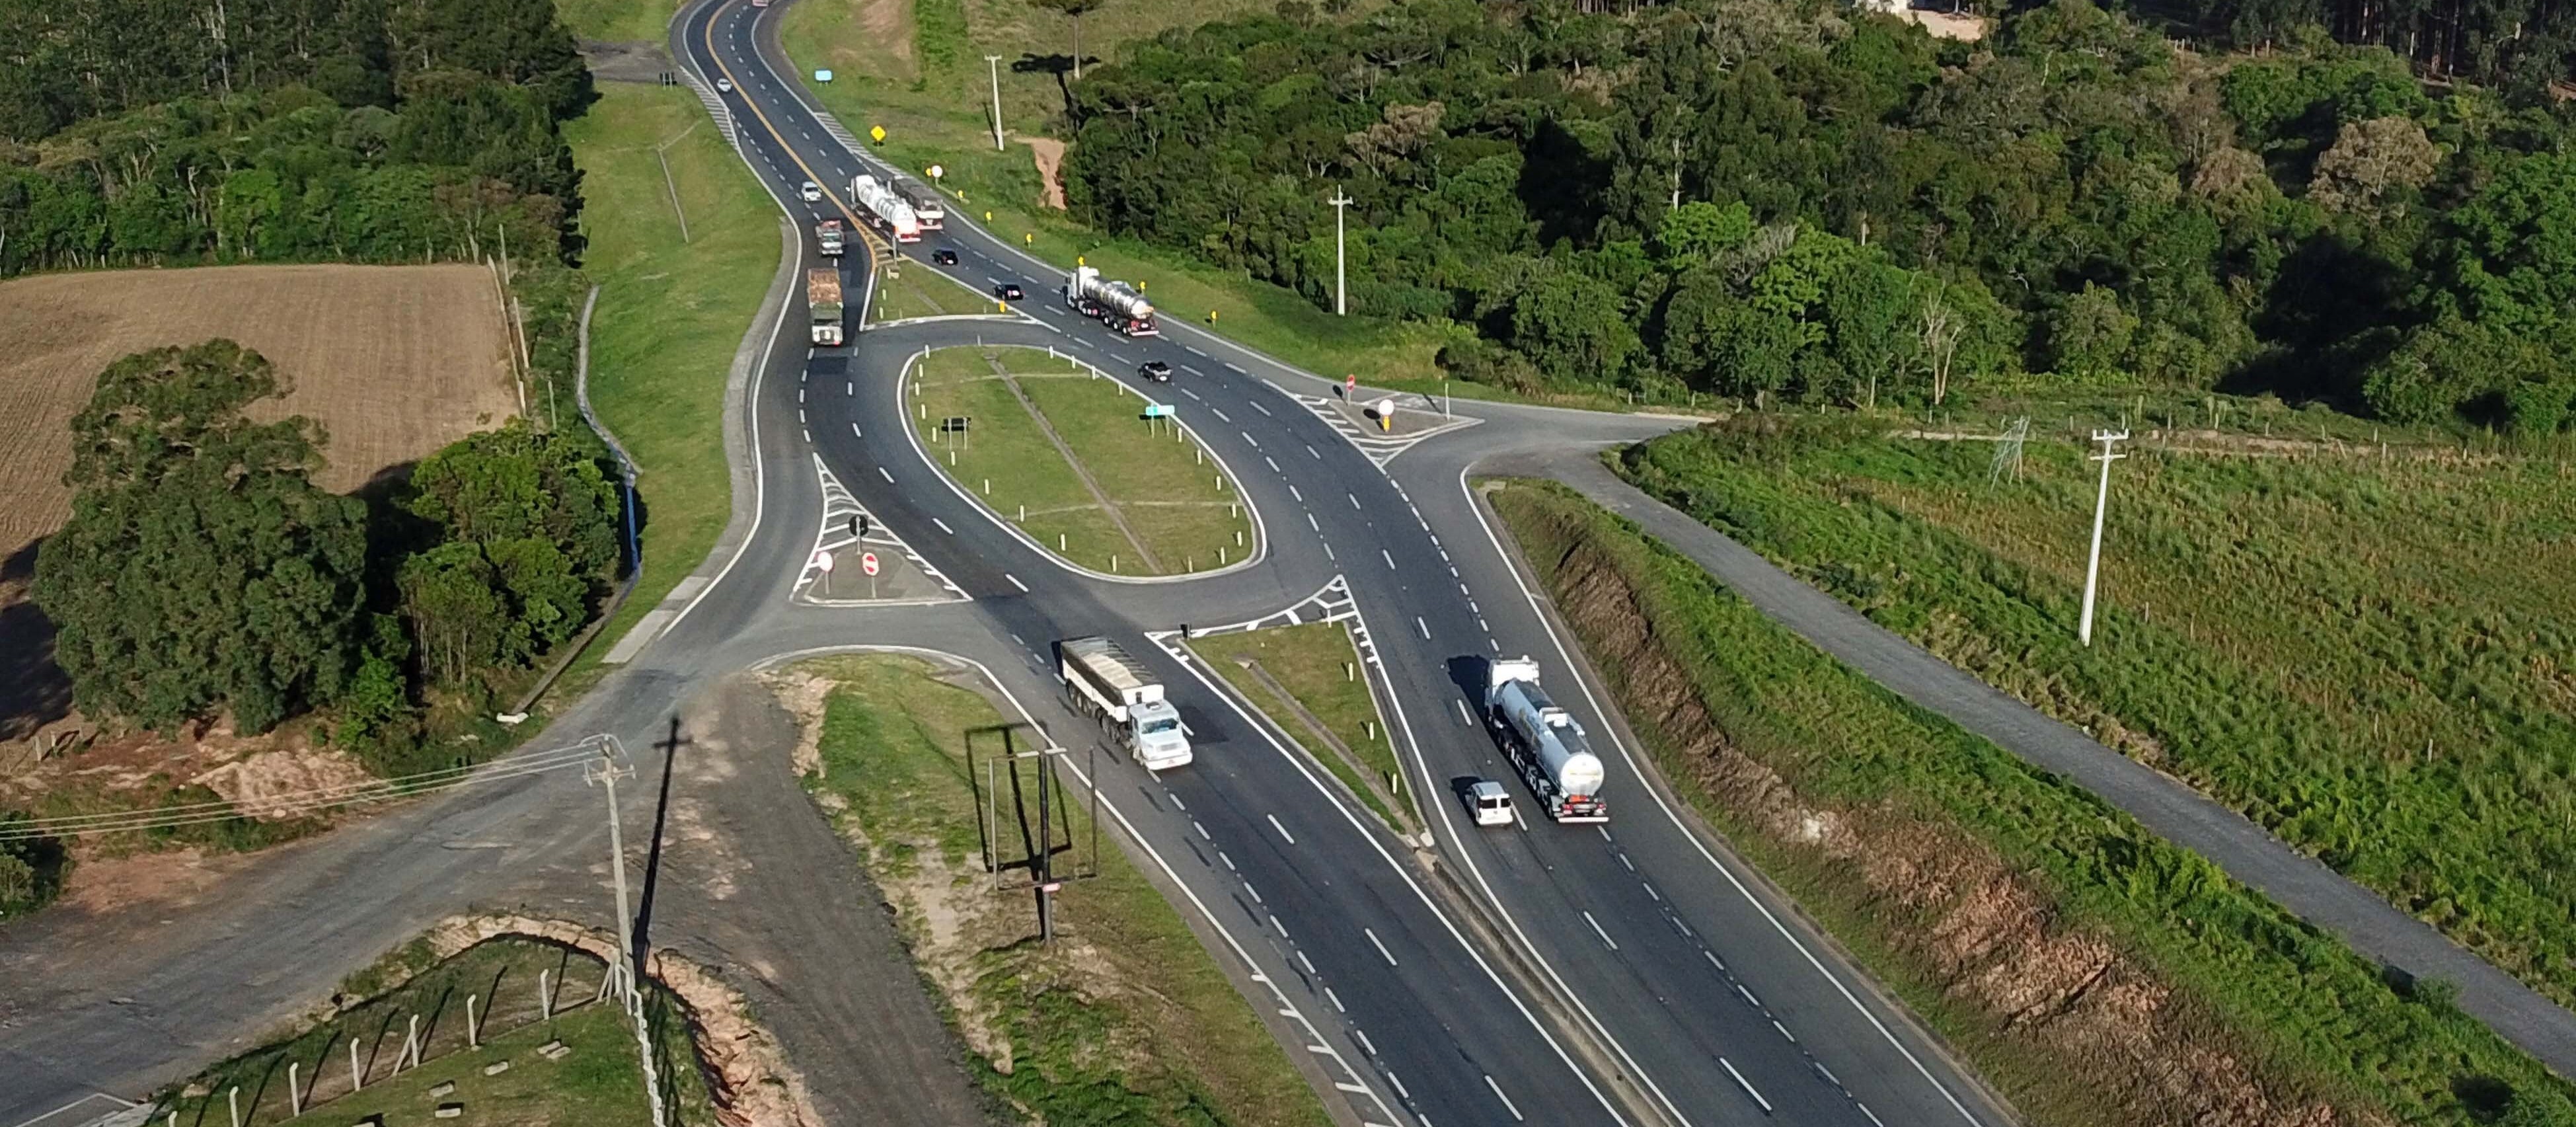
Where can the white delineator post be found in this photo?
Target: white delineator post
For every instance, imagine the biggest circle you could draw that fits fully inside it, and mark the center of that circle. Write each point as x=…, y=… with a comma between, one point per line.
x=2101, y=503
x=993, y=63
x=1341, y=296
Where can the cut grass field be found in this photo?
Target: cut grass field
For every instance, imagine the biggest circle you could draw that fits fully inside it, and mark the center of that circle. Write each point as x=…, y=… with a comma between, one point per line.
x=2091, y=971
x=919, y=291
x=1169, y=510
x=670, y=315
x=2366, y=655
x=1125, y=1018
x=1318, y=668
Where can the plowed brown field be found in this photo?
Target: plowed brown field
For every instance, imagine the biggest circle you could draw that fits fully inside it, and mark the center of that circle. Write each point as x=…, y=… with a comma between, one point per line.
x=393, y=361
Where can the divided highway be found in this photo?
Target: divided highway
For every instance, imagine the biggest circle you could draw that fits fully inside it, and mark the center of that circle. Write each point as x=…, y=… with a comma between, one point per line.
x=1692, y=995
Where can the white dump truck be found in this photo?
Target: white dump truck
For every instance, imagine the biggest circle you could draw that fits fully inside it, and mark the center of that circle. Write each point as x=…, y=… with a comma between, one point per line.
x=823, y=298
x=1104, y=683
x=886, y=209
x=1545, y=744
x=1116, y=304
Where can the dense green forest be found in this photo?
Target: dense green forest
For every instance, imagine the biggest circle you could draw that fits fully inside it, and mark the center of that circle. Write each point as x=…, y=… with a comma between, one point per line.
x=1768, y=198
x=139, y=133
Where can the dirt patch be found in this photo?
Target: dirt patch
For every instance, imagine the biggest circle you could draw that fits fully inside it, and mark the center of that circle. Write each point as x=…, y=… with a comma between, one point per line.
x=626, y=62
x=393, y=361
x=1985, y=935
x=1945, y=25
x=1049, y=154
x=257, y=782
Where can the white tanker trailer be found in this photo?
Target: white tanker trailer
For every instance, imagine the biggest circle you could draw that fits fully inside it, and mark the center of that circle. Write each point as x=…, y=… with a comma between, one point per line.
x=1116, y=304
x=1545, y=744
x=885, y=209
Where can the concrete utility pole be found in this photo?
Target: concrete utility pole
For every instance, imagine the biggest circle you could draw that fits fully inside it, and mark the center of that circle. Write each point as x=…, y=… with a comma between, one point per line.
x=1341, y=296
x=2101, y=502
x=605, y=773
x=993, y=63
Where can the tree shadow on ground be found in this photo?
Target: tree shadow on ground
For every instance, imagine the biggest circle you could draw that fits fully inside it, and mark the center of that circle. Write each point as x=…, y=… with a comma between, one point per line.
x=34, y=691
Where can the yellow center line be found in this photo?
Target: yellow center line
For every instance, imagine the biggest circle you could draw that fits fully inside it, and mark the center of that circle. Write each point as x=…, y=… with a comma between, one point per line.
x=866, y=233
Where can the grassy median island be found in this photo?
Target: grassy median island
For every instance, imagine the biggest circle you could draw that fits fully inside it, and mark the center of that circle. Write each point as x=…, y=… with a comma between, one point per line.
x=2095, y=973
x=1064, y=453
x=671, y=312
x=1307, y=680
x=1125, y=1018
x=2368, y=655
x=914, y=289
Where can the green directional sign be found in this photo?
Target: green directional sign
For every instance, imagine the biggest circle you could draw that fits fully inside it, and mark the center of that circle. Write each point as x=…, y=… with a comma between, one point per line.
x=822, y=75
x=1158, y=410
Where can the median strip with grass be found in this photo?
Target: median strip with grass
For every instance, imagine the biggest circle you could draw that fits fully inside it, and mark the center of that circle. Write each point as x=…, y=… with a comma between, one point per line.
x=1124, y=1017
x=671, y=313
x=910, y=290
x=2091, y=970
x=1063, y=453
x=1309, y=681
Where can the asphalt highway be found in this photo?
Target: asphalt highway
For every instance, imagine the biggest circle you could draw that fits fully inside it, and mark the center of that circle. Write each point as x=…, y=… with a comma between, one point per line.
x=1702, y=989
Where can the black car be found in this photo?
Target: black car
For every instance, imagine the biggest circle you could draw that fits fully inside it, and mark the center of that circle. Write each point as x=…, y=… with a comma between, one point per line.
x=944, y=257
x=1007, y=292
x=1155, y=370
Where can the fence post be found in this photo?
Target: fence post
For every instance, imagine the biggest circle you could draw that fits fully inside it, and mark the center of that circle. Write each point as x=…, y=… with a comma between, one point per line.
x=294, y=1094
x=545, y=998
x=411, y=1041
x=357, y=1079
x=473, y=1036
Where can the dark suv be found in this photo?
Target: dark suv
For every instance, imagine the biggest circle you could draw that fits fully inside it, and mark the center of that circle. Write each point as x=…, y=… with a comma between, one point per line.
x=1155, y=370
x=944, y=257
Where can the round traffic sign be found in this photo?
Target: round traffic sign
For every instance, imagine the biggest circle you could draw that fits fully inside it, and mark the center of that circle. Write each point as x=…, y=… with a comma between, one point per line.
x=868, y=562
x=823, y=561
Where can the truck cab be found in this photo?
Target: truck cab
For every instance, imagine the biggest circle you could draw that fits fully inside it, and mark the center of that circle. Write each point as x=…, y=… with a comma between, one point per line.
x=1157, y=736
x=1102, y=682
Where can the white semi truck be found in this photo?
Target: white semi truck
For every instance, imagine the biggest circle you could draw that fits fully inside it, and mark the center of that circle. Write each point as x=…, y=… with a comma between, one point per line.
x=1545, y=744
x=1104, y=683
x=885, y=207
x=1116, y=304
x=823, y=298
x=829, y=235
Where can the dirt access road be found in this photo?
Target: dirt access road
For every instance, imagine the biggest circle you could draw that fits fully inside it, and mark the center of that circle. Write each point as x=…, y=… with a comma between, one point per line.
x=393, y=361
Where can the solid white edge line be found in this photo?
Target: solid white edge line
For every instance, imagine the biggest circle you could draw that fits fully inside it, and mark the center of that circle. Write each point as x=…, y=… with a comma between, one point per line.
x=1585, y=683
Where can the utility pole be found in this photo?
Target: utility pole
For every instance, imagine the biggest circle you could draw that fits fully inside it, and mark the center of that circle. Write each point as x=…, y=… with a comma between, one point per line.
x=1045, y=859
x=993, y=63
x=2101, y=502
x=605, y=774
x=1341, y=296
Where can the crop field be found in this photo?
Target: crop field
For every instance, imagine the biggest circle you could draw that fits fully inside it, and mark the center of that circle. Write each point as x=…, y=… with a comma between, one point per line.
x=393, y=361
x=2368, y=655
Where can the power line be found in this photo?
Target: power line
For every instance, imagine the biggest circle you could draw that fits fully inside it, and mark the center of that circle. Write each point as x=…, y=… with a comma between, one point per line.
x=317, y=799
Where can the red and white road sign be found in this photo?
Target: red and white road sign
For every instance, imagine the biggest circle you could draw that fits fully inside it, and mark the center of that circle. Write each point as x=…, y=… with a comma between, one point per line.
x=868, y=562
x=823, y=561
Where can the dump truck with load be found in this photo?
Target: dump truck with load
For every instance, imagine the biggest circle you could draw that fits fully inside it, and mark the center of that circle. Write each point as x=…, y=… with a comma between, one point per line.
x=1103, y=682
x=1545, y=744
x=823, y=298
x=885, y=208
x=828, y=233
x=1116, y=304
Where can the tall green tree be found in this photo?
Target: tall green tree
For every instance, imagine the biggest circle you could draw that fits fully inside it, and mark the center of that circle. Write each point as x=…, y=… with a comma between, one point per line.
x=201, y=568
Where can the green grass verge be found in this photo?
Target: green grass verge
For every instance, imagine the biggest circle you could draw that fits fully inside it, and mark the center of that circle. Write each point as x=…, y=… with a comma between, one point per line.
x=1796, y=749
x=919, y=291
x=599, y=1082
x=1180, y=507
x=1319, y=667
x=2366, y=655
x=670, y=316
x=1125, y=1018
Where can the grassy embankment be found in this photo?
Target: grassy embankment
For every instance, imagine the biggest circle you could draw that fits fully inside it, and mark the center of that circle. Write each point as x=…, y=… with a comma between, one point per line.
x=909, y=67
x=597, y=1082
x=1124, y=1018
x=671, y=313
x=2369, y=656
x=919, y=291
x=2092, y=971
x=1317, y=667
x=1183, y=513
